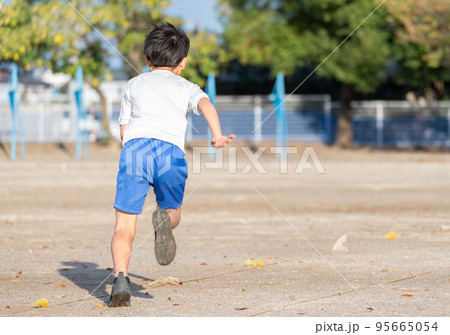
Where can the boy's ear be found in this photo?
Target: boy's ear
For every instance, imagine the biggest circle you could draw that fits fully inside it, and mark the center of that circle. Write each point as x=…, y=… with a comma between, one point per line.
x=183, y=63
x=149, y=64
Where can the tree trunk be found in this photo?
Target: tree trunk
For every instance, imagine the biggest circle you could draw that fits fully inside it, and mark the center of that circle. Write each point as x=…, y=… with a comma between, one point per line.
x=105, y=121
x=344, y=137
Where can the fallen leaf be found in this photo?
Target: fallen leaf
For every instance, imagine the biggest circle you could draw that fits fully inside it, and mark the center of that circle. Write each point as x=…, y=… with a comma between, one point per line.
x=60, y=285
x=9, y=307
x=406, y=295
x=391, y=236
x=176, y=304
x=243, y=289
x=179, y=283
x=370, y=308
x=169, y=299
x=251, y=262
x=59, y=296
x=43, y=246
x=339, y=244
x=384, y=270
x=71, y=247
x=269, y=258
x=101, y=313
x=341, y=294
x=203, y=264
x=165, y=280
x=240, y=308
x=109, y=269
x=74, y=259
x=19, y=273
x=30, y=251
x=100, y=304
x=301, y=313
x=41, y=303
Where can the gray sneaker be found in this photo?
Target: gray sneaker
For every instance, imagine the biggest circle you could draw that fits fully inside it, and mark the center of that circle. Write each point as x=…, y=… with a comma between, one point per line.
x=121, y=291
x=165, y=246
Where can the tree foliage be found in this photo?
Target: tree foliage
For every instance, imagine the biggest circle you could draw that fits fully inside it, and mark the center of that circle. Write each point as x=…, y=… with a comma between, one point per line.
x=287, y=34
x=422, y=41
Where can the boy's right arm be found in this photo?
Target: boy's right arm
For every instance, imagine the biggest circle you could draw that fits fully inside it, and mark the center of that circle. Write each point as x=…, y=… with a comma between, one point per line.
x=210, y=114
x=122, y=130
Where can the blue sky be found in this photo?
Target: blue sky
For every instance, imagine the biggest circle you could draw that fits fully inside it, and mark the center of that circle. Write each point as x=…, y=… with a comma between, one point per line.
x=195, y=13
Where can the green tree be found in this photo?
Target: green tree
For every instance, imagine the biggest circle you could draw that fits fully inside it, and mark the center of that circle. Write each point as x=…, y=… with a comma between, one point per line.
x=288, y=34
x=423, y=41
x=62, y=36
x=54, y=34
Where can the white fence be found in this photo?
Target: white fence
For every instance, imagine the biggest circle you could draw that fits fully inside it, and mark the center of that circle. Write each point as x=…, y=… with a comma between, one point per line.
x=252, y=118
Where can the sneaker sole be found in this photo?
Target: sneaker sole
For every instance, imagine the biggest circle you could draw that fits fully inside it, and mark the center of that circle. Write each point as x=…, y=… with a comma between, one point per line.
x=120, y=299
x=165, y=246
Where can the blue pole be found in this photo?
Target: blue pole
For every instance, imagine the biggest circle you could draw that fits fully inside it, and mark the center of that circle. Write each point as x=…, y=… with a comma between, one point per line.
x=82, y=133
x=277, y=98
x=13, y=124
x=15, y=112
x=210, y=89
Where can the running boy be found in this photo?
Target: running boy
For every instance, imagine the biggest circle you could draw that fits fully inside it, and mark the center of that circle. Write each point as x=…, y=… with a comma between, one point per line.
x=152, y=127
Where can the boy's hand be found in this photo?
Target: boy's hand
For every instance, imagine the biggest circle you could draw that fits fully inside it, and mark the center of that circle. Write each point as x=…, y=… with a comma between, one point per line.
x=222, y=141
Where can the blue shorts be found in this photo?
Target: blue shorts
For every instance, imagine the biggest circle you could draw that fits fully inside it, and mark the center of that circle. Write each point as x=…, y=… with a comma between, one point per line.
x=147, y=162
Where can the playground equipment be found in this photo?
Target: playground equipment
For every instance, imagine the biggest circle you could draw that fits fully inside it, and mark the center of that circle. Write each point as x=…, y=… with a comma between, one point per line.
x=210, y=90
x=16, y=117
x=277, y=97
x=82, y=132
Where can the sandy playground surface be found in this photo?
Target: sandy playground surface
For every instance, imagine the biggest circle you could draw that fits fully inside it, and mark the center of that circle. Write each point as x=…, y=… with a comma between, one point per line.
x=57, y=219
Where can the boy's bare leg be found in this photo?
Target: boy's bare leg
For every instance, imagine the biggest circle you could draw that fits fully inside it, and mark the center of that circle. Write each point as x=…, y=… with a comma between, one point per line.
x=122, y=239
x=175, y=216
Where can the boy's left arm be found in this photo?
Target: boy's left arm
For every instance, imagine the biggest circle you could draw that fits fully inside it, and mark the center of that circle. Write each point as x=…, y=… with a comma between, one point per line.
x=210, y=114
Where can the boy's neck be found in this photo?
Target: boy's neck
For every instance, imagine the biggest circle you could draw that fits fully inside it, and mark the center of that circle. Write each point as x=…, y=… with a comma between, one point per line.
x=176, y=70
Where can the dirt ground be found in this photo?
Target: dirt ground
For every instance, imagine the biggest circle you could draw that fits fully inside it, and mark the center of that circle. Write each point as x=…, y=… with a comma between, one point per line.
x=57, y=219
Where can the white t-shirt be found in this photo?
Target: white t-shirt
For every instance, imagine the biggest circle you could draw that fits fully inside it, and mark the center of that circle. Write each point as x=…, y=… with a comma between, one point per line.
x=154, y=105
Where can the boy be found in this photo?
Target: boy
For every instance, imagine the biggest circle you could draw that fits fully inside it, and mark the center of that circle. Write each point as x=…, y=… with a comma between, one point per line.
x=152, y=127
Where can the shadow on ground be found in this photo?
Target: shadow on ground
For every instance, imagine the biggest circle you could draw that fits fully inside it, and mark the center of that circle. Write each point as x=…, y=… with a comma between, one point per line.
x=88, y=276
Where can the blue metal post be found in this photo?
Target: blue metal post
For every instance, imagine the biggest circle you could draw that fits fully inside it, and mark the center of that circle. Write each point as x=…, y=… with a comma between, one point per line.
x=82, y=133
x=210, y=89
x=14, y=100
x=145, y=68
x=277, y=97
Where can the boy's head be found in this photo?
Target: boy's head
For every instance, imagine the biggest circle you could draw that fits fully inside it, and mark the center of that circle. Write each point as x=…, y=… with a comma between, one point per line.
x=166, y=46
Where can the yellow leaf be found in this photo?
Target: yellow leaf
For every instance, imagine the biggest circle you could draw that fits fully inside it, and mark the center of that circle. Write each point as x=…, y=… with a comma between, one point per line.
x=391, y=236
x=253, y=263
x=42, y=303
x=16, y=56
x=22, y=49
x=100, y=304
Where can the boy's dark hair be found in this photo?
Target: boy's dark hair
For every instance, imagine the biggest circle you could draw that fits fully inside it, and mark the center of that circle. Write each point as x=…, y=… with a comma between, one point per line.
x=166, y=45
